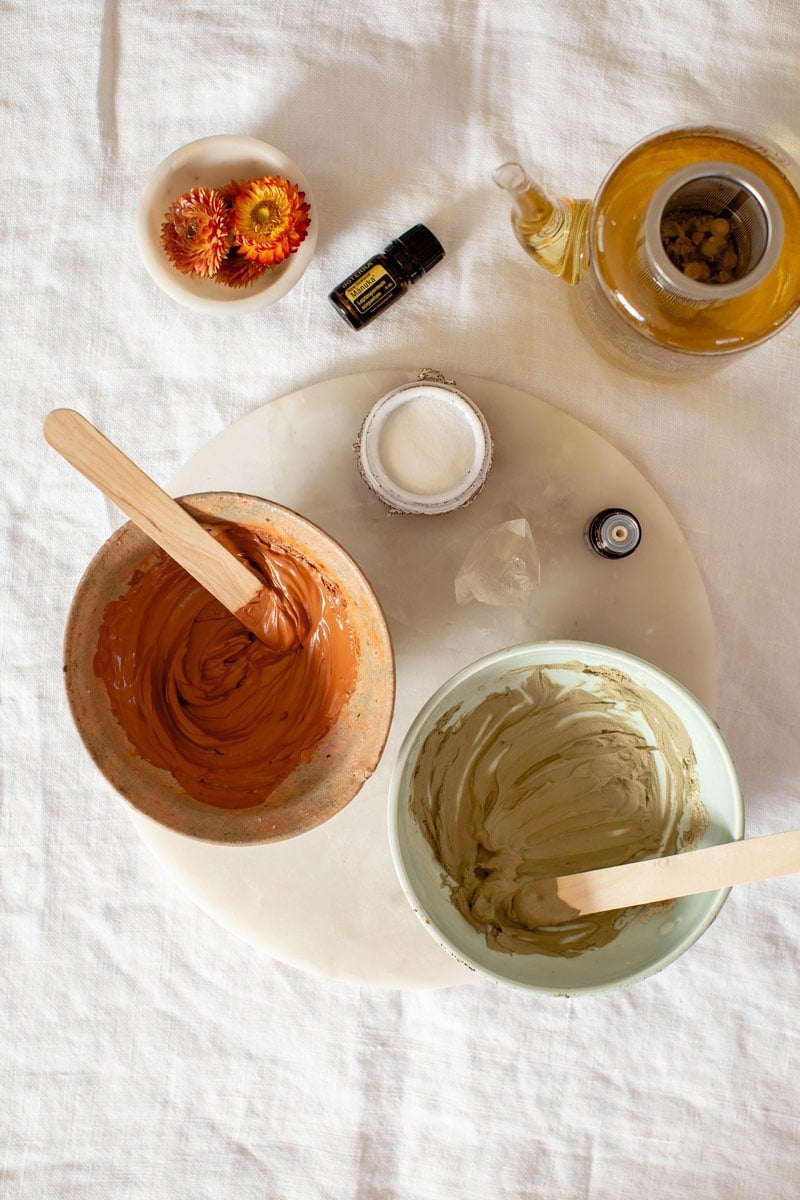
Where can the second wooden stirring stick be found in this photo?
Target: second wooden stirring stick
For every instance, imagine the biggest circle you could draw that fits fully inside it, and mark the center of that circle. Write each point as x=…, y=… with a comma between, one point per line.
x=553, y=901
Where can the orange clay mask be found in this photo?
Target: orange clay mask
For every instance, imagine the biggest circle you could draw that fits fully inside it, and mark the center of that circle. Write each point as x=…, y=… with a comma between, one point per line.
x=229, y=716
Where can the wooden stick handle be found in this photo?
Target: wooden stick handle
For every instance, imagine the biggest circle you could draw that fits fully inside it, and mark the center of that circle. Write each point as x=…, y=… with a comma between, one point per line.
x=161, y=517
x=705, y=870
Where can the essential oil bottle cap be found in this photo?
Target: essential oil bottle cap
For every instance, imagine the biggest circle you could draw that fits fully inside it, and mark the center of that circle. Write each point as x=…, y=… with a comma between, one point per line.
x=423, y=246
x=614, y=533
x=425, y=447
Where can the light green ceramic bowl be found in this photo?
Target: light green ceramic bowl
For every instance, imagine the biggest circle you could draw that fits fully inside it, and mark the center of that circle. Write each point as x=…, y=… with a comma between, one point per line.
x=641, y=949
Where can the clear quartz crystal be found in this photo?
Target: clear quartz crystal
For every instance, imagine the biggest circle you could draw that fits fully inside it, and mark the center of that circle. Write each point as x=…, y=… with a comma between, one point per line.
x=502, y=566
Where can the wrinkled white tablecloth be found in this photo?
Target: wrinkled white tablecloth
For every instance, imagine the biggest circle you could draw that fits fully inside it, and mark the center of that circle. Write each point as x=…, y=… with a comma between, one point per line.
x=146, y=1054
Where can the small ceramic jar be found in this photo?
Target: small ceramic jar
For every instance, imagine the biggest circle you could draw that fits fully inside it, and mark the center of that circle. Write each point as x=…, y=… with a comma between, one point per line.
x=424, y=447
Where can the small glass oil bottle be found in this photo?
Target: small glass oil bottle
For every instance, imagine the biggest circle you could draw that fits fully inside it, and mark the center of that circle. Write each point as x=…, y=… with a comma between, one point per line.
x=383, y=278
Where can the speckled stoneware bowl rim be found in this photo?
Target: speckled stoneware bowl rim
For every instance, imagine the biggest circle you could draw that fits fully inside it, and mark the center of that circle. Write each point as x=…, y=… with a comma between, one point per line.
x=469, y=947
x=314, y=791
x=212, y=162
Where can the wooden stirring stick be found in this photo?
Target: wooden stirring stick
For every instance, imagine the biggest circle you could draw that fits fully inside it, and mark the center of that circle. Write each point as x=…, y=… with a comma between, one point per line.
x=657, y=879
x=161, y=517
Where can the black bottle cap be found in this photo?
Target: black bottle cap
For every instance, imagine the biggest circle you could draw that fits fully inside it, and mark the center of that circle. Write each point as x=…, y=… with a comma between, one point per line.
x=614, y=533
x=421, y=245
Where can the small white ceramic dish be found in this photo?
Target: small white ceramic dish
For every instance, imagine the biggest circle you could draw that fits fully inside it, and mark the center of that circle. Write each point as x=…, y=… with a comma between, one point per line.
x=643, y=948
x=214, y=162
x=425, y=447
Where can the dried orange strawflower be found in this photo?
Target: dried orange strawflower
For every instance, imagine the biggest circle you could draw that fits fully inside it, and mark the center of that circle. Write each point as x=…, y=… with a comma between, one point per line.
x=268, y=220
x=195, y=232
x=239, y=272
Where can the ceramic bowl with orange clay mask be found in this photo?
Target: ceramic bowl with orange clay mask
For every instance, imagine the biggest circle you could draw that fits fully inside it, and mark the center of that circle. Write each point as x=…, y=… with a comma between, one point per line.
x=194, y=721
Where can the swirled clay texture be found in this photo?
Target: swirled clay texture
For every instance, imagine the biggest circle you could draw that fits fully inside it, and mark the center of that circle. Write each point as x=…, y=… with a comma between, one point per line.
x=546, y=779
x=197, y=694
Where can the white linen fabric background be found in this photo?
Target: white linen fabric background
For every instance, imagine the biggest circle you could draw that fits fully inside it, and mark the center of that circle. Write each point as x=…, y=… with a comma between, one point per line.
x=145, y=1053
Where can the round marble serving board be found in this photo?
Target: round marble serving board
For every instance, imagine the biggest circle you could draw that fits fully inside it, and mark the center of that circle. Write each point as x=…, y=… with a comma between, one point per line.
x=328, y=901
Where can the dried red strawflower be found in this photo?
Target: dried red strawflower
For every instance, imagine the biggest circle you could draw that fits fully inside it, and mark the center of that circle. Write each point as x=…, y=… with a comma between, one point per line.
x=268, y=220
x=231, y=190
x=195, y=232
x=239, y=272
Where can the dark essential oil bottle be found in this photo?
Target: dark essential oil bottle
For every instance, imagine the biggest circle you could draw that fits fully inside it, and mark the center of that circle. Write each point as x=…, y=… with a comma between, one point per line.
x=383, y=278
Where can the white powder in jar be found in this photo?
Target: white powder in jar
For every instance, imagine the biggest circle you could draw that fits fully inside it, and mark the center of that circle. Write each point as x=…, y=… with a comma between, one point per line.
x=426, y=445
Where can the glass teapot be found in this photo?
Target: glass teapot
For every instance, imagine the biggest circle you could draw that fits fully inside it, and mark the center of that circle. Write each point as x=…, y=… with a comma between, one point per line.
x=688, y=255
